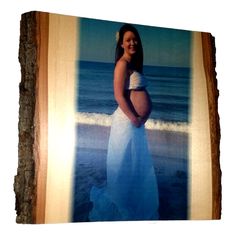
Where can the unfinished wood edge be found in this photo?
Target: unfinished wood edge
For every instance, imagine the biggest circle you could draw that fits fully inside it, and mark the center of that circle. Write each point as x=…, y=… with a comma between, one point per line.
x=24, y=183
x=209, y=61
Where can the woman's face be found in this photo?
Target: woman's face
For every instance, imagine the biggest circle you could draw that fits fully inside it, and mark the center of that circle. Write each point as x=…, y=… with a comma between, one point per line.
x=130, y=43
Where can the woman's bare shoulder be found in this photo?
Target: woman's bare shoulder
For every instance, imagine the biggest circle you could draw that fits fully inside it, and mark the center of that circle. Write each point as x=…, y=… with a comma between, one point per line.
x=122, y=65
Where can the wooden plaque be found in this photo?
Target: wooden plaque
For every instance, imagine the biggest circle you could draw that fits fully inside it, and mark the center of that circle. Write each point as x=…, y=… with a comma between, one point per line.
x=45, y=181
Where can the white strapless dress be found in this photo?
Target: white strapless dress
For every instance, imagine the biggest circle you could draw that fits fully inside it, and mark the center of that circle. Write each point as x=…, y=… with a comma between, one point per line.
x=131, y=191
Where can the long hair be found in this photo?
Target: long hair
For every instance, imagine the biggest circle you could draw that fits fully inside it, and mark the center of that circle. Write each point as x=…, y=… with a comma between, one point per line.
x=137, y=60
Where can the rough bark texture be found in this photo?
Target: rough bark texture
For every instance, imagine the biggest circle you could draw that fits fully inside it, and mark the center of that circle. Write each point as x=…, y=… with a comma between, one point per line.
x=209, y=59
x=24, y=185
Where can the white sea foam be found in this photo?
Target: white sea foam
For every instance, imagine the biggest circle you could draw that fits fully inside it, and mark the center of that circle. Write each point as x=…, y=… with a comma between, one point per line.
x=105, y=120
x=93, y=118
x=166, y=126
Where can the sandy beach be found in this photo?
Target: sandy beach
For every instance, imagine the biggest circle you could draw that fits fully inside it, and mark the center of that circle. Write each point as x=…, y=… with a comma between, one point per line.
x=169, y=151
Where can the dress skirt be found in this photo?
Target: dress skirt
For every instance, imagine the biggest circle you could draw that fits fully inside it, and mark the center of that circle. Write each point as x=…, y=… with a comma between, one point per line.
x=131, y=191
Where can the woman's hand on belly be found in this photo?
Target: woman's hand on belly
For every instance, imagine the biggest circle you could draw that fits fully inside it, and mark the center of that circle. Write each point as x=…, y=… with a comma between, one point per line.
x=137, y=122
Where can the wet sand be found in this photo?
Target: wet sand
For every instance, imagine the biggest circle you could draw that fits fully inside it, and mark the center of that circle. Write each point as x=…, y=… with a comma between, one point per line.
x=169, y=151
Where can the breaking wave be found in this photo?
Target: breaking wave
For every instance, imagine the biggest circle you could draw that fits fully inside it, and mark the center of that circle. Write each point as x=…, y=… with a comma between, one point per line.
x=152, y=124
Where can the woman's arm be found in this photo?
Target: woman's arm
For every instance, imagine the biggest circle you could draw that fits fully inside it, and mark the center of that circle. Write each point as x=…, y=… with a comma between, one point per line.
x=120, y=74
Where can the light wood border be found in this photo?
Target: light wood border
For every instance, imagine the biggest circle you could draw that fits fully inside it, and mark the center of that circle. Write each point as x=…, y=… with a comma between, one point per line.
x=200, y=166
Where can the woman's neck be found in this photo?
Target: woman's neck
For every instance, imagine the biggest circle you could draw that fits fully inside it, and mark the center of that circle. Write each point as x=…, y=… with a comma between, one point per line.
x=127, y=57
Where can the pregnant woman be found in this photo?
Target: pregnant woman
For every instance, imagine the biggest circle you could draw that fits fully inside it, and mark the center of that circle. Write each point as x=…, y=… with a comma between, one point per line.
x=131, y=191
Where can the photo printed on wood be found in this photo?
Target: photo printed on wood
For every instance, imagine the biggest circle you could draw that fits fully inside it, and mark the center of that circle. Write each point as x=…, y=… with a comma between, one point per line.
x=117, y=122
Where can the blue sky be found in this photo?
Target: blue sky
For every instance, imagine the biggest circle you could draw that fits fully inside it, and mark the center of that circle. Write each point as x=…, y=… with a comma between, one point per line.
x=162, y=46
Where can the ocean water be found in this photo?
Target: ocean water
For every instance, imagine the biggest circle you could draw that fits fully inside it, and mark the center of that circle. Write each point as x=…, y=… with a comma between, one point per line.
x=169, y=88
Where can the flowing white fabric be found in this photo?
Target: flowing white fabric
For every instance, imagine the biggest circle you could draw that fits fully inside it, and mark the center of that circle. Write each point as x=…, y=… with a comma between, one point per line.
x=131, y=191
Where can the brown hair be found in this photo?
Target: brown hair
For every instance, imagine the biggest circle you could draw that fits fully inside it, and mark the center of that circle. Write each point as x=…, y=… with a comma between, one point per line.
x=137, y=60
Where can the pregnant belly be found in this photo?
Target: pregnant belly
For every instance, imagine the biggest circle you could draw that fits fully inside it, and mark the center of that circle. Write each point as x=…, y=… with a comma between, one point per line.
x=141, y=102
